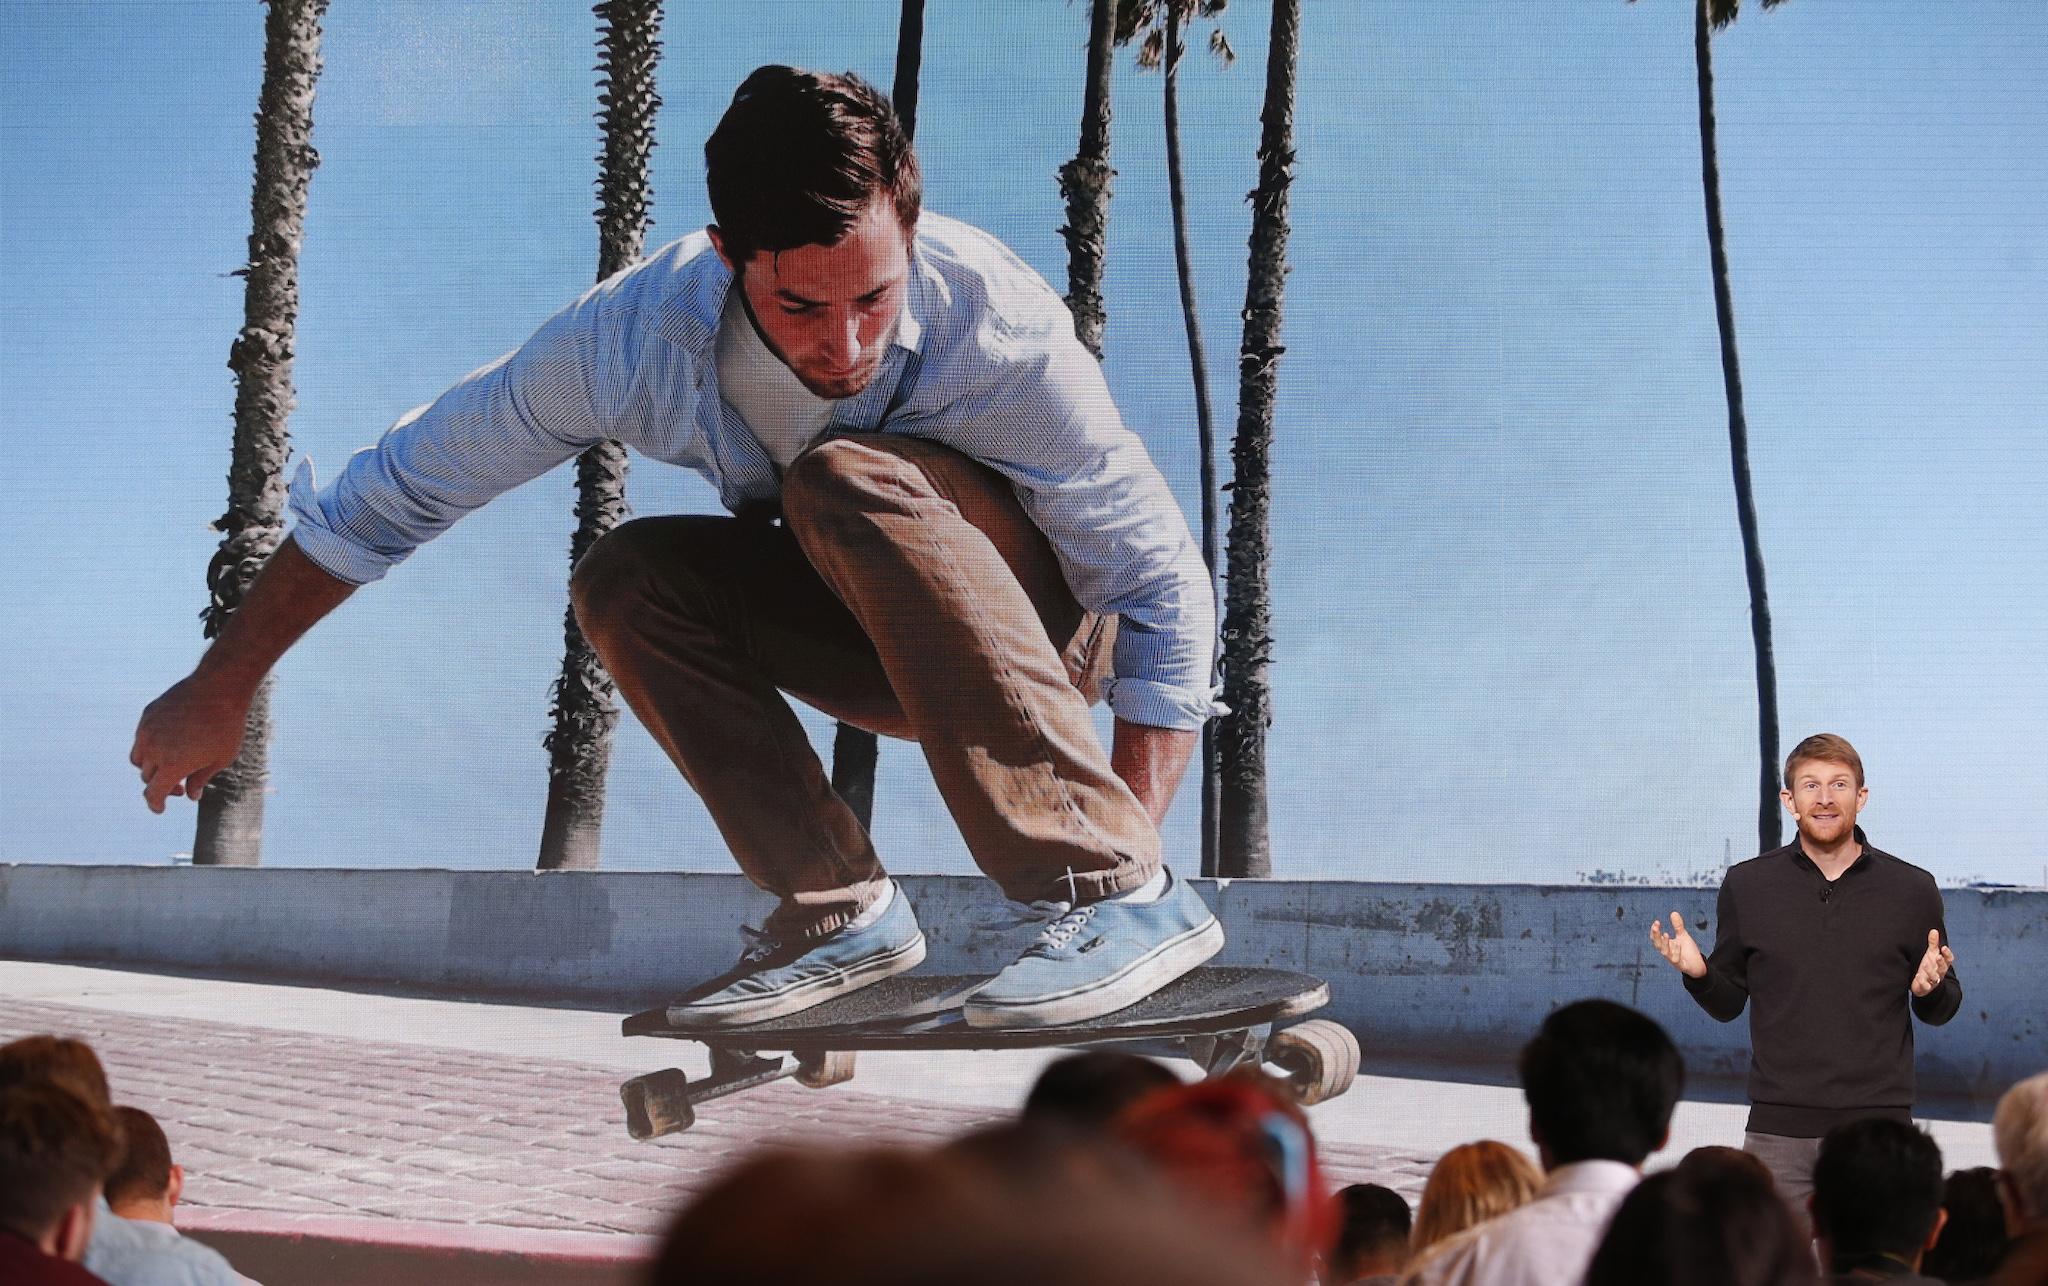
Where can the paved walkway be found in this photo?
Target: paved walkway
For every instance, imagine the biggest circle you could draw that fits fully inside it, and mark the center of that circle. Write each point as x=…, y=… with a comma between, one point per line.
x=299, y=1123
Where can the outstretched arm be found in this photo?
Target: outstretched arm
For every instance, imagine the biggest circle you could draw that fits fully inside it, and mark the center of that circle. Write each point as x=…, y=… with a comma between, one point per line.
x=194, y=729
x=1937, y=988
x=1720, y=982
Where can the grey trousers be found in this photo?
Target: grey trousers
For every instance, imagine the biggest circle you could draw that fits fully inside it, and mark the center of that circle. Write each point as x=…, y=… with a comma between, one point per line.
x=1790, y=1162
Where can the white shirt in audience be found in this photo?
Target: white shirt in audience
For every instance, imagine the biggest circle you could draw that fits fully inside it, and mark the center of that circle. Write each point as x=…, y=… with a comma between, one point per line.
x=1547, y=1242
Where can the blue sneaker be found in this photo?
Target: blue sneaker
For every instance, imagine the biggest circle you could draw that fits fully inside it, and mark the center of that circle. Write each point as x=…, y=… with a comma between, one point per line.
x=776, y=978
x=1098, y=957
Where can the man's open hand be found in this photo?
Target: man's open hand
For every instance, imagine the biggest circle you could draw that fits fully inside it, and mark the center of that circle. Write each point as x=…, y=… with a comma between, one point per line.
x=1679, y=948
x=1934, y=965
x=186, y=736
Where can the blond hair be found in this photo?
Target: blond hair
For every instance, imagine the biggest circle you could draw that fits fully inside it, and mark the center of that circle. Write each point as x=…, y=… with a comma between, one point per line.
x=1472, y=1183
x=2019, y=1131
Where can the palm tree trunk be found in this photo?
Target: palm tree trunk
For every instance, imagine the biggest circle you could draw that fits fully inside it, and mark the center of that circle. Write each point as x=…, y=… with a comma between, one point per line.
x=585, y=702
x=230, y=819
x=1205, y=422
x=1245, y=841
x=1768, y=814
x=1085, y=185
x=856, y=752
x=909, y=57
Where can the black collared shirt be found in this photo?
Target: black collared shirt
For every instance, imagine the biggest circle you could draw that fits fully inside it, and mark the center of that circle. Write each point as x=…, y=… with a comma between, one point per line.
x=1826, y=969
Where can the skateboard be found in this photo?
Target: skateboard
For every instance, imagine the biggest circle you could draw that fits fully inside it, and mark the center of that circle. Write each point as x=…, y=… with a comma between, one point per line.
x=1220, y=1018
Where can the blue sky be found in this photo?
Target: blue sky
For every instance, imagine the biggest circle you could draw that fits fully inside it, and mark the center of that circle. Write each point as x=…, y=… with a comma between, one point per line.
x=1511, y=619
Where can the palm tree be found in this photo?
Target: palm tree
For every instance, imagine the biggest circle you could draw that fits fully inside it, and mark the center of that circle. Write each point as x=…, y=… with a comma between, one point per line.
x=585, y=702
x=909, y=57
x=1245, y=842
x=1710, y=16
x=1163, y=23
x=1085, y=184
x=230, y=819
x=856, y=752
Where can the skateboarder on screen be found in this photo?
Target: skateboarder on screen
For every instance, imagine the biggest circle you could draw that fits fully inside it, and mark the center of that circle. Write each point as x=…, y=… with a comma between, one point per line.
x=971, y=549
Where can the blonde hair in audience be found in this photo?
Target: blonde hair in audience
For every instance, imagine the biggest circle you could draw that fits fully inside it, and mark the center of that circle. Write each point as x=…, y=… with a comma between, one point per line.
x=1470, y=1184
x=2019, y=1132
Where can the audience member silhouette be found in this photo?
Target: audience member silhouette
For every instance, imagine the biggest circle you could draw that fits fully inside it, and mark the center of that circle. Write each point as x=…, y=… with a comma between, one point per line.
x=1712, y=1224
x=1088, y=1089
x=1973, y=1238
x=1372, y=1237
x=1876, y=1201
x=122, y=1252
x=1715, y=1159
x=1600, y=1080
x=900, y=1218
x=56, y=1149
x=2019, y=1131
x=1241, y=1149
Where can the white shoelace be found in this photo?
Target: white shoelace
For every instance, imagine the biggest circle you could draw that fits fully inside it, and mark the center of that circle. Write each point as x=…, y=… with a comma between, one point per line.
x=1057, y=920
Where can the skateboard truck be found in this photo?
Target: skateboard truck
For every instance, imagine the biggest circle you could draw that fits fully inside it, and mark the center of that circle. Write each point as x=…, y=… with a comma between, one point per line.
x=665, y=1102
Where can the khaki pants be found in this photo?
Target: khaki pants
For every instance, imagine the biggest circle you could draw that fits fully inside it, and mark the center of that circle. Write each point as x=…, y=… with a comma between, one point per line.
x=908, y=593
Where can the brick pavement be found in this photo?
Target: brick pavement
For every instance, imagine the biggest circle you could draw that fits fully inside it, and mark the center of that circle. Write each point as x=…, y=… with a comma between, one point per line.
x=288, y=1123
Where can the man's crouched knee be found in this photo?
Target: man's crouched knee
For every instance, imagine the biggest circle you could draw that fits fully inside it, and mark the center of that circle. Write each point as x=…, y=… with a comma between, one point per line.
x=618, y=571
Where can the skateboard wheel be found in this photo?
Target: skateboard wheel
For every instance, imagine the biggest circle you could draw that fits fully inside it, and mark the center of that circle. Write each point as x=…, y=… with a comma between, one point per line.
x=1319, y=1057
x=820, y=1070
x=657, y=1104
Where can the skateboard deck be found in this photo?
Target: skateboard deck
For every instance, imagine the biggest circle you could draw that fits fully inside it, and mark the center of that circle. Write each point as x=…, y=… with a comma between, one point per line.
x=1220, y=1017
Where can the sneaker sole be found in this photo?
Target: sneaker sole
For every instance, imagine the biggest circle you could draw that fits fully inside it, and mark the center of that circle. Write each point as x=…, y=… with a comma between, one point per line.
x=804, y=995
x=1138, y=980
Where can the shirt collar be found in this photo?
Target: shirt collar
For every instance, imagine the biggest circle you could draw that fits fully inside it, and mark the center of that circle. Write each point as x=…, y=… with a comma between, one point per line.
x=1590, y=1176
x=1862, y=858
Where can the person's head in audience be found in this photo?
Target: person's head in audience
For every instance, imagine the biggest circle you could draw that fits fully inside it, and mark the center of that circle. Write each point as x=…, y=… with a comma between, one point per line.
x=56, y=1149
x=1470, y=1184
x=147, y=1184
x=1710, y=1225
x=56, y=1060
x=1876, y=1200
x=1372, y=1238
x=1601, y=1081
x=1090, y=1088
x=1241, y=1147
x=1716, y=1159
x=1973, y=1236
x=2019, y=1131
x=900, y=1218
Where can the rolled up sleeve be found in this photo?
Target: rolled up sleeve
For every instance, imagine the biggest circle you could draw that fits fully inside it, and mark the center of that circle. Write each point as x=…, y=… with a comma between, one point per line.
x=502, y=425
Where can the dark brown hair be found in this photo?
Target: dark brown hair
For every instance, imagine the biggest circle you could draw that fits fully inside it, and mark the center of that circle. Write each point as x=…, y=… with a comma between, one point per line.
x=799, y=155
x=55, y=1148
x=145, y=1169
x=1706, y=1226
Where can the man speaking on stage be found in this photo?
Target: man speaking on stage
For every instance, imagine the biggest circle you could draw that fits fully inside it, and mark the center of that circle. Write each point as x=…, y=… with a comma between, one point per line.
x=1830, y=938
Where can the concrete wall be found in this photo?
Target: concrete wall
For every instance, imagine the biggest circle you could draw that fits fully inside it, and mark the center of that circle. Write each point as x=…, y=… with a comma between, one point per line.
x=1436, y=979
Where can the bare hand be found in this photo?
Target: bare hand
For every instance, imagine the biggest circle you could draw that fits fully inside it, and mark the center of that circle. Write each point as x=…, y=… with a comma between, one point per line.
x=1934, y=965
x=1678, y=947
x=186, y=736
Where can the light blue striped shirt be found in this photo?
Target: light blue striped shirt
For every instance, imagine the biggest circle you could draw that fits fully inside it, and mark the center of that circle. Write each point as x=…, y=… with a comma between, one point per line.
x=984, y=361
